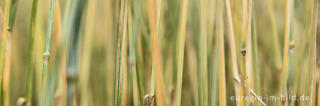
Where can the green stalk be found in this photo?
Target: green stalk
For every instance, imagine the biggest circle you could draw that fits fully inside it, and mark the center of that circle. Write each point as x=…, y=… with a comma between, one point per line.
x=149, y=98
x=119, y=42
x=137, y=42
x=203, y=61
x=132, y=56
x=132, y=34
x=70, y=30
x=123, y=64
x=255, y=57
x=133, y=39
x=180, y=46
x=56, y=84
x=13, y=10
x=3, y=45
x=237, y=81
x=288, y=39
x=47, y=54
x=30, y=71
x=300, y=61
x=216, y=64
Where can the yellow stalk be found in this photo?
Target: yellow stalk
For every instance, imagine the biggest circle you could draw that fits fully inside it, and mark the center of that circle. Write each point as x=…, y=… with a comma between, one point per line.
x=248, y=55
x=238, y=89
x=314, y=50
x=86, y=54
x=7, y=68
x=110, y=48
x=123, y=64
x=275, y=37
x=284, y=74
x=192, y=67
x=180, y=47
x=203, y=54
x=5, y=56
x=154, y=15
x=220, y=40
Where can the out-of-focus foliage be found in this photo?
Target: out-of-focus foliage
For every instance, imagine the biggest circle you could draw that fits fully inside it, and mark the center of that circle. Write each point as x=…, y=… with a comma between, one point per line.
x=160, y=52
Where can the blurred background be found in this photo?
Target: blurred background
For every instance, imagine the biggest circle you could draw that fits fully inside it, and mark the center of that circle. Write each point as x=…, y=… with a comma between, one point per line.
x=115, y=52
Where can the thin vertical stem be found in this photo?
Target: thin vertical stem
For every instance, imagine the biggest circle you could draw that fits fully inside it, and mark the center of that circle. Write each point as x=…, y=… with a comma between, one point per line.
x=7, y=58
x=30, y=70
x=117, y=83
x=238, y=89
x=180, y=46
x=46, y=54
x=7, y=68
x=248, y=55
x=123, y=64
x=203, y=54
x=221, y=57
x=86, y=56
x=137, y=31
x=286, y=53
x=192, y=68
x=3, y=45
x=314, y=51
x=255, y=57
x=154, y=14
x=132, y=28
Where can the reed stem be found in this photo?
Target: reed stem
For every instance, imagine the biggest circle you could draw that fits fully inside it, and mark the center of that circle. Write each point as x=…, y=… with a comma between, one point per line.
x=221, y=57
x=180, y=52
x=86, y=54
x=248, y=54
x=313, y=51
x=3, y=55
x=46, y=54
x=203, y=54
x=288, y=38
x=237, y=80
x=30, y=70
x=155, y=13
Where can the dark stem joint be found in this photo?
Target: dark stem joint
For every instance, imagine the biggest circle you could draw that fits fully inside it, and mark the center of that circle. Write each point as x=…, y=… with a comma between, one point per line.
x=148, y=99
x=46, y=56
x=291, y=45
x=243, y=52
x=23, y=102
x=9, y=29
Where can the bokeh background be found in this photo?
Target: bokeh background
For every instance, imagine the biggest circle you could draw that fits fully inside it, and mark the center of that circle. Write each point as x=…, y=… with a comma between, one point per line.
x=98, y=44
